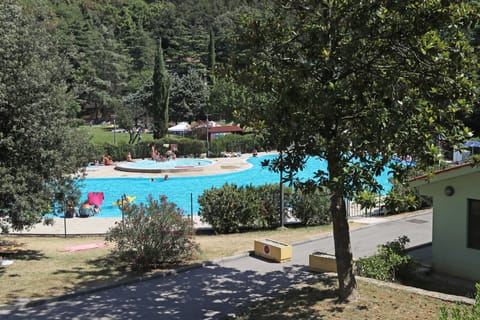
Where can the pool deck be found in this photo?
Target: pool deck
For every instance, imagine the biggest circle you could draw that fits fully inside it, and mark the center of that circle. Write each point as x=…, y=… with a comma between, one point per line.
x=99, y=226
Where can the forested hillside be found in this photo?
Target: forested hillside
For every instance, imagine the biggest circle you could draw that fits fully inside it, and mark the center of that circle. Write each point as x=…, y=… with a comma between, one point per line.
x=110, y=46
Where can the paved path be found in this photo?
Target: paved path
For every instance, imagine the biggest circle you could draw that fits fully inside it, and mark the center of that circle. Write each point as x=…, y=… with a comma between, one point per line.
x=219, y=288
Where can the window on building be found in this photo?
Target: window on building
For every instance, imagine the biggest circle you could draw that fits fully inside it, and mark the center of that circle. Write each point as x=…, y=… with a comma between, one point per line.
x=473, y=232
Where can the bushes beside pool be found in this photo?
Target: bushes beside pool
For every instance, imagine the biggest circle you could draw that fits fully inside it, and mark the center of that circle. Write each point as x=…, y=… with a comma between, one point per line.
x=233, y=208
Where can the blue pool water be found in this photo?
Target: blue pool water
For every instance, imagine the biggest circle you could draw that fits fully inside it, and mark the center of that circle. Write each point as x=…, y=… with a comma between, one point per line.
x=179, y=189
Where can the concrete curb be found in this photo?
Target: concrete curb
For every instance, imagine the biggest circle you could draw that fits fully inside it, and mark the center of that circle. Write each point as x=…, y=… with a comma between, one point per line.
x=423, y=292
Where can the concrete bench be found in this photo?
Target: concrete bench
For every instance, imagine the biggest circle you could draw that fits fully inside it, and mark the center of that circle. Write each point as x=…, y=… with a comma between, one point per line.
x=273, y=250
x=322, y=262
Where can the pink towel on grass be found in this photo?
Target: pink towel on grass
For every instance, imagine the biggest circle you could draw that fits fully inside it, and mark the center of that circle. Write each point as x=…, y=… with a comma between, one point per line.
x=85, y=246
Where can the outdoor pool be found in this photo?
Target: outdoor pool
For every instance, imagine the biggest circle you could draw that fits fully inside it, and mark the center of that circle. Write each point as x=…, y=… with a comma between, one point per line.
x=184, y=191
x=151, y=166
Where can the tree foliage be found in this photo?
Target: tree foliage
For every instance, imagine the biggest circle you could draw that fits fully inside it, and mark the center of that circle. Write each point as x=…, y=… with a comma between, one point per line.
x=188, y=96
x=37, y=149
x=110, y=45
x=357, y=82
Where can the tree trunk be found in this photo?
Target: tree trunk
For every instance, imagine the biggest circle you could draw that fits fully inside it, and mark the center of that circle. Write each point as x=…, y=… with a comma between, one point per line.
x=341, y=235
x=343, y=252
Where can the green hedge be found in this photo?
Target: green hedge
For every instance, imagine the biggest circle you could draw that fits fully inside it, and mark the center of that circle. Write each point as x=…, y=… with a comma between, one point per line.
x=232, y=208
x=311, y=208
x=235, y=143
x=186, y=148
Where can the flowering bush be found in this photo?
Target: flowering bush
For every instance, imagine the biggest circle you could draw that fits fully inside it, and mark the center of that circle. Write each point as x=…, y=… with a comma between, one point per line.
x=153, y=235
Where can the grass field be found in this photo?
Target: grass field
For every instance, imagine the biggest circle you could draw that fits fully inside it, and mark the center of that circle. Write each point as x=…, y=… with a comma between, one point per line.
x=101, y=134
x=319, y=301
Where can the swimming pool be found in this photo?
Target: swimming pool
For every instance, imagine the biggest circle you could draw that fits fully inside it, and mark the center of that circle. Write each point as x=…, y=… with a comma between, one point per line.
x=151, y=166
x=184, y=191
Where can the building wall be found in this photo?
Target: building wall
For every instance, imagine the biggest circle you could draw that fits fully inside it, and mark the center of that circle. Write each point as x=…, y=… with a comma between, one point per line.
x=450, y=217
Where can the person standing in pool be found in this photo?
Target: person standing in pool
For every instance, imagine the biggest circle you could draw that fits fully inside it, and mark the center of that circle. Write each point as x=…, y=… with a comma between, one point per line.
x=153, y=152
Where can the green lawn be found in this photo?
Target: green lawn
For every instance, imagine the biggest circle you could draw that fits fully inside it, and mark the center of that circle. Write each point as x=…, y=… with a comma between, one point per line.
x=101, y=134
x=319, y=301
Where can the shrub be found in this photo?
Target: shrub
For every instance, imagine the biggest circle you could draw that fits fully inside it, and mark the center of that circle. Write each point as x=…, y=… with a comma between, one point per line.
x=153, y=235
x=268, y=199
x=463, y=312
x=186, y=146
x=367, y=200
x=311, y=208
x=401, y=198
x=231, y=208
x=234, y=143
x=390, y=263
x=220, y=207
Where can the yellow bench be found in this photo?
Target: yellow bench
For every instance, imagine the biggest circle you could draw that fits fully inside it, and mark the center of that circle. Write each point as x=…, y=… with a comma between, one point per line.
x=273, y=250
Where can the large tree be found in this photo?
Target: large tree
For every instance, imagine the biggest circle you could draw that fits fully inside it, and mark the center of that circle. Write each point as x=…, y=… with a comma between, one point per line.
x=160, y=95
x=38, y=155
x=354, y=82
x=188, y=97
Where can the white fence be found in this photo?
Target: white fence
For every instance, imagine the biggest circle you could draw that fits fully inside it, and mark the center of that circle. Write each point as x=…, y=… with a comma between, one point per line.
x=355, y=209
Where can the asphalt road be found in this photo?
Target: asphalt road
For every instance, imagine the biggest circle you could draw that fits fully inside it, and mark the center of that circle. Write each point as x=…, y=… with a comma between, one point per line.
x=218, y=289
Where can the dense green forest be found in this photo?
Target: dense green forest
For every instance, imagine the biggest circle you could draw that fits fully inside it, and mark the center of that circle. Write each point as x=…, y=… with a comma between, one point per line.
x=110, y=47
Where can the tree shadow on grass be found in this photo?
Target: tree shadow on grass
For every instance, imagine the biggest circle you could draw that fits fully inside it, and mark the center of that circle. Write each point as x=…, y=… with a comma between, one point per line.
x=207, y=292
x=297, y=303
x=14, y=250
x=107, y=270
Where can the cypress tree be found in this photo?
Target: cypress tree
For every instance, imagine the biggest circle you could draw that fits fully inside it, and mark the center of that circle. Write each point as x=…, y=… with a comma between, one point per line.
x=211, y=57
x=160, y=94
